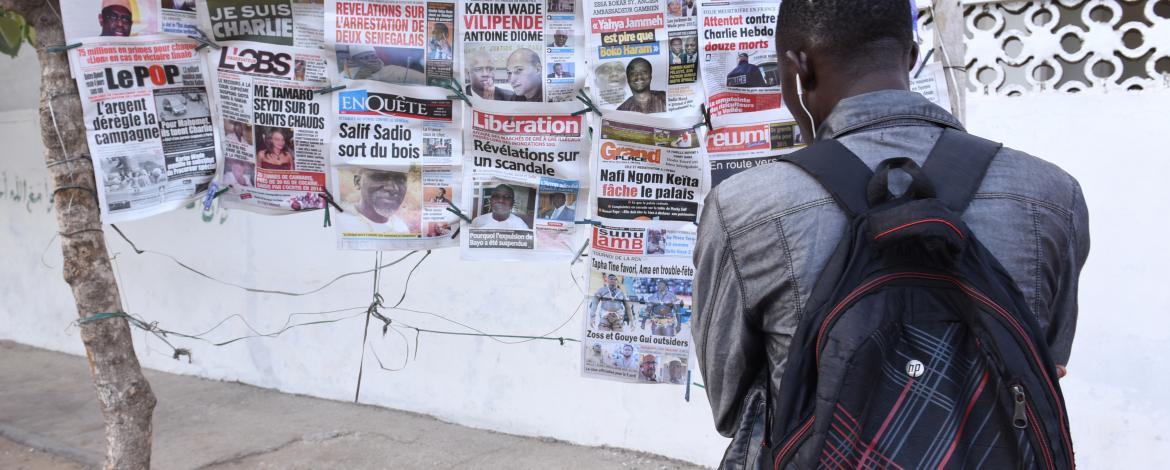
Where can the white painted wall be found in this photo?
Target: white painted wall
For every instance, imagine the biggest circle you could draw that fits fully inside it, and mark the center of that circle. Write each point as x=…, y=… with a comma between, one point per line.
x=1115, y=144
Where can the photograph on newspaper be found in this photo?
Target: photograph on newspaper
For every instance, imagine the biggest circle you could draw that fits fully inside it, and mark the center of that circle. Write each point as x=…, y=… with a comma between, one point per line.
x=521, y=50
x=526, y=181
x=405, y=42
x=148, y=120
x=277, y=125
x=638, y=325
x=283, y=22
x=123, y=18
x=644, y=55
x=651, y=170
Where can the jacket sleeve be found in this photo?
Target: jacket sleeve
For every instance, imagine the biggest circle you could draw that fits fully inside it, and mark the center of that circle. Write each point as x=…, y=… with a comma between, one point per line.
x=1064, y=306
x=729, y=348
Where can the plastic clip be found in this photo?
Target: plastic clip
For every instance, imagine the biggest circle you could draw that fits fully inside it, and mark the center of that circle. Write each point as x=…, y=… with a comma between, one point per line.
x=62, y=47
x=455, y=210
x=329, y=89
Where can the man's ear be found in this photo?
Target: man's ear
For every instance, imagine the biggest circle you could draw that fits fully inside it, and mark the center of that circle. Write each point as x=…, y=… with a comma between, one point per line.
x=799, y=64
x=357, y=181
x=913, y=55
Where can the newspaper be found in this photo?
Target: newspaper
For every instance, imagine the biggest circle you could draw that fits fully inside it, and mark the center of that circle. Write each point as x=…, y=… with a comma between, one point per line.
x=395, y=157
x=644, y=54
x=122, y=18
x=525, y=181
x=638, y=327
x=275, y=127
x=736, y=148
x=148, y=121
x=931, y=81
x=521, y=50
x=409, y=42
x=652, y=170
x=739, y=58
x=284, y=22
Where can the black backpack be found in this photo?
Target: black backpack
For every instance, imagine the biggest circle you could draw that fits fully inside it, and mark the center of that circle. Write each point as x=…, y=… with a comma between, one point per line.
x=918, y=350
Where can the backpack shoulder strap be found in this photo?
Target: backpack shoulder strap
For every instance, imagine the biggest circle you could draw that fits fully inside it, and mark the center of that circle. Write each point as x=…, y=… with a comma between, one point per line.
x=838, y=170
x=956, y=166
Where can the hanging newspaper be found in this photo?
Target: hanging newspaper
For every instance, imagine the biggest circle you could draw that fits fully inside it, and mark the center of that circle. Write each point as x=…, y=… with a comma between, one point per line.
x=395, y=157
x=644, y=55
x=148, y=121
x=275, y=127
x=521, y=50
x=638, y=328
x=930, y=80
x=406, y=42
x=284, y=22
x=739, y=58
x=740, y=147
x=122, y=18
x=524, y=181
x=651, y=171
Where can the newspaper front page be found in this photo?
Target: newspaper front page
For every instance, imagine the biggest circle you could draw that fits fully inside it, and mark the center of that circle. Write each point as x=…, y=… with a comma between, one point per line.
x=283, y=22
x=651, y=170
x=148, y=121
x=407, y=42
x=396, y=153
x=525, y=181
x=740, y=147
x=123, y=18
x=644, y=54
x=521, y=50
x=641, y=284
x=276, y=128
x=739, y=58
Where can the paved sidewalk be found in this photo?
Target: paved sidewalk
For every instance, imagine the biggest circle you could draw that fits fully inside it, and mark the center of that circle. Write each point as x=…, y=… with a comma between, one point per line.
x=49, y=419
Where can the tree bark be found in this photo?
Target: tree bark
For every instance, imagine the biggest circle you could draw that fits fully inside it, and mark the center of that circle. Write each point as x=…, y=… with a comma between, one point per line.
x=126, y=399
x=950, y=28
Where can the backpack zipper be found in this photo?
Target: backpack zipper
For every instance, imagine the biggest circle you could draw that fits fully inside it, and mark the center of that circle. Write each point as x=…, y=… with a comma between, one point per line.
x=793, y=442
x=867, y=286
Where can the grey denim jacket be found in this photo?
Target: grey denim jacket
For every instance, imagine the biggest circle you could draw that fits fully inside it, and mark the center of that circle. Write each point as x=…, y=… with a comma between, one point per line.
x=766, y=234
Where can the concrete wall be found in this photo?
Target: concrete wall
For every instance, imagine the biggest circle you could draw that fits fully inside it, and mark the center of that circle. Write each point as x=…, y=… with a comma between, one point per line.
x=1113, y=143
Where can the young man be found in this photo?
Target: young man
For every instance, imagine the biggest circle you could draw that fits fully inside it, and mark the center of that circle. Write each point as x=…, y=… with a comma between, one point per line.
x=767, y=233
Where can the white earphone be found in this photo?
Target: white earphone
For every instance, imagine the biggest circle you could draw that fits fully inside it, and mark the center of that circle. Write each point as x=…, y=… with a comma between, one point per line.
x=800, y=97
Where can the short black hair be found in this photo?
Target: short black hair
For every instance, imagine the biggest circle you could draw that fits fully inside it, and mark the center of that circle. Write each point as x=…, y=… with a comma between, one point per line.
x=844, y=29
x=638, y=60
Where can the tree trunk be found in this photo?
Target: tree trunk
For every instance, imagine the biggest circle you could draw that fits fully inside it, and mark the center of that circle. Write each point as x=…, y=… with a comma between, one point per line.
x=950, y=37
x=124, y=395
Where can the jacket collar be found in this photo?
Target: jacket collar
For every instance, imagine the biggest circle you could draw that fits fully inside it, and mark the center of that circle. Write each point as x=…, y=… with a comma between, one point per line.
x=870, y=109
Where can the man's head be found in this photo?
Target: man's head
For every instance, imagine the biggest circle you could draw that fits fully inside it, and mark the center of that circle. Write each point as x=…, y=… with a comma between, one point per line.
x=560, y=38
x=524, y=72
x=502, y=199
x=439, y=33
x=638, y=75
x=676, y=46
x=382, y=192
x=649, y=366
x=612, y=281
x=692, y=45
x=627, y=350
x=481, y=70
x=597, y=348
x=743, y=57
x=558, y=68
x=662, y=286
x=557, y=199
x=115, y=18
x=842, y=48
x=677, y=370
